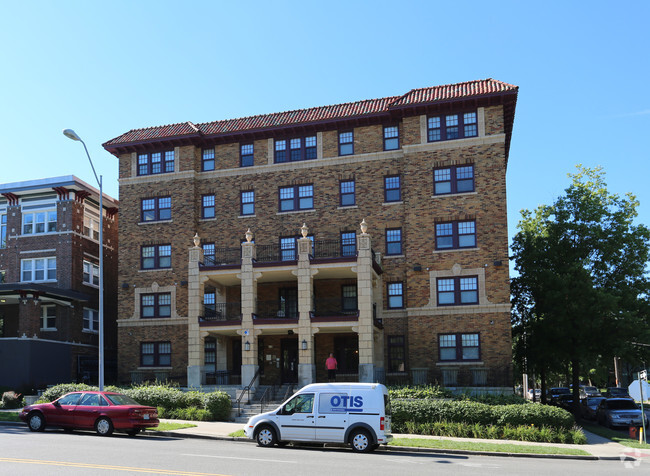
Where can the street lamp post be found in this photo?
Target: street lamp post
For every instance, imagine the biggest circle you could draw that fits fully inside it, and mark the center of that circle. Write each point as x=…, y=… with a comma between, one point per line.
x=69, y=133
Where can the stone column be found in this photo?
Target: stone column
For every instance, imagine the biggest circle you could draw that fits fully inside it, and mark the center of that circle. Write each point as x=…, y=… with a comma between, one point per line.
x=194, y=304
x=365, y=300
x=306, y=357
x=248, y=279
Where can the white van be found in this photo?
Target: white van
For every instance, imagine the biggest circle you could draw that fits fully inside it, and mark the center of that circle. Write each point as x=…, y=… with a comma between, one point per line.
x=354, y=413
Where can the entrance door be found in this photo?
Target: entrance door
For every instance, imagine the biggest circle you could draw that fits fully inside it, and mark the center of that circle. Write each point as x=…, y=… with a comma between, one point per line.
x=289, y=360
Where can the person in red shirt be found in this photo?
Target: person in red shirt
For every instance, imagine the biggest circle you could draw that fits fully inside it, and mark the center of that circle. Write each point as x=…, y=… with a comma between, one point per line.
x=332, y=365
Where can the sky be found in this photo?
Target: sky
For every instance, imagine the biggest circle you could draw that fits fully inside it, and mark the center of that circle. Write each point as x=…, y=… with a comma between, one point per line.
x=104, y=68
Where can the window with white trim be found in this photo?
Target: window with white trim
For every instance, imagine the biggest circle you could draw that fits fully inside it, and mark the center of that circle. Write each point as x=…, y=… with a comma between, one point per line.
x=456, y=291
x=91, y=273
x=91, y=320
x=38, y=269
x=37, y=222
x=156, y=354
x=48, y=318
x=459, y=347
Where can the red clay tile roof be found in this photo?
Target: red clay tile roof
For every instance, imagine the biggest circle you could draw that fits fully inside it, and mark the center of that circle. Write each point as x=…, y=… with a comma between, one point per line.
x=316, y=114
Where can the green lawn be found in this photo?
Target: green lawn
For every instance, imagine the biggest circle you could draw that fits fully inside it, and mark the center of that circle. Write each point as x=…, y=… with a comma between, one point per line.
x=493, y=447
x=167, y=426
x=237, y=434
x=9, y=416
x=614, y=435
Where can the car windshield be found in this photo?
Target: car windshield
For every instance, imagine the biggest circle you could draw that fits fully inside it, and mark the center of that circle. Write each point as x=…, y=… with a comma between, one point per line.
x=119, y=399
x=591, y=389
x=560, y=390
x=621, y=405
x=594, y=401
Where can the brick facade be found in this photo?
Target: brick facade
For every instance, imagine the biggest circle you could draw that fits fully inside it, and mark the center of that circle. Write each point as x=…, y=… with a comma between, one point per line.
x=24, y=298
x=420, y=321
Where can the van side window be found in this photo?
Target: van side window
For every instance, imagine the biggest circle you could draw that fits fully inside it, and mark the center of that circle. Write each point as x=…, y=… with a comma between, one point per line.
x=332, y=403
x=303, y=403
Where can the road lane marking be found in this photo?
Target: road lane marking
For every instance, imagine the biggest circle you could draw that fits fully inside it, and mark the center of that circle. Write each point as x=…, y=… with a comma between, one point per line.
x=104, y=466
x=244, y=459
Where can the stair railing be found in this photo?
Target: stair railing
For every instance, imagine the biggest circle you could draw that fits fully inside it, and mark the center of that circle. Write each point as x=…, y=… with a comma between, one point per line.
x=247, y=390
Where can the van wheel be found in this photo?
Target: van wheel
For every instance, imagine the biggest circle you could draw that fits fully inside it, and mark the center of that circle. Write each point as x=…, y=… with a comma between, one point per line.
x=266, y=436
x=360, y=441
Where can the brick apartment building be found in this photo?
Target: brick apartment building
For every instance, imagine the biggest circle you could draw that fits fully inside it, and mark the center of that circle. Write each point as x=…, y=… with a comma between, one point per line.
x=375, y=230
x=49, y=293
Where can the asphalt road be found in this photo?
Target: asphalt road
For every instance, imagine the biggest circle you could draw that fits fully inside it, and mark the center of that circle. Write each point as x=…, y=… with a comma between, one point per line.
x=56, y=453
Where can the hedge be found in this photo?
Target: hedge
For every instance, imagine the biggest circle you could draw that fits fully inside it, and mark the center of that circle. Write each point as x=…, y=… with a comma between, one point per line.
x=170, y=401
x=469, y=412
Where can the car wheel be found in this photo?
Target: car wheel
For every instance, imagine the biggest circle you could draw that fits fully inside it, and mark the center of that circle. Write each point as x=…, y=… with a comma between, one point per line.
x=104, y=426
x=36, y=421
x=361, y=442
x=266, y=436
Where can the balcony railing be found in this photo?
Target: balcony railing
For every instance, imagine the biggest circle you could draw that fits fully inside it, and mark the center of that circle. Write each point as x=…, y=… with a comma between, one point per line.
x=334, y=308
x=223, y=311
x=327, y=249
x=223, y=257
x=268, y=253
x=277, y=310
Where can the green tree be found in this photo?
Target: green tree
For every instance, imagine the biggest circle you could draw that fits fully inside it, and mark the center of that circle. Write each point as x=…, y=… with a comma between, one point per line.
x=582, y=290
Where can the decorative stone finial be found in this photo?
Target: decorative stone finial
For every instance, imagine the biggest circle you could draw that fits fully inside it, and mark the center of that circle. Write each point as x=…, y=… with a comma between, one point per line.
x=304, y=230
x=364, y=226
x=249, y=235
x=197, y=240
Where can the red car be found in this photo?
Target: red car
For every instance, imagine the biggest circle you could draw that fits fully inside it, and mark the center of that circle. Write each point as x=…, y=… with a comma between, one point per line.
x=99, y=411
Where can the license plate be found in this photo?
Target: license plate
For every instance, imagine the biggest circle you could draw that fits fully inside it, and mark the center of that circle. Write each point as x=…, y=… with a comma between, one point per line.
x=146, y=417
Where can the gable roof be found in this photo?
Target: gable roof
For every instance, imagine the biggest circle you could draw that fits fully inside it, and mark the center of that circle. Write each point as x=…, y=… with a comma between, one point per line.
x=358, y=109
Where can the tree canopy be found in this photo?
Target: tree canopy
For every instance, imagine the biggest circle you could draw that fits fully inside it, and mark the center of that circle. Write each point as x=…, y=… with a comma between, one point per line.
x=582, y=290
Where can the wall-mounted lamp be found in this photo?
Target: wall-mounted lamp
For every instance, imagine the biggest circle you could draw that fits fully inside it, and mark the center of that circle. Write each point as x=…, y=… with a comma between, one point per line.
x=247, y=346
x=304, y=344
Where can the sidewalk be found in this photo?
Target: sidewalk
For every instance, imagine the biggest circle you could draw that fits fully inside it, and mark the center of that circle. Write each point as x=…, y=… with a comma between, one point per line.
x=599, y=447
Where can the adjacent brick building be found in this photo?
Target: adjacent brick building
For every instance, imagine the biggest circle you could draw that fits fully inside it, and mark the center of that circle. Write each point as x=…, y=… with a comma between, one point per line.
x=49, y=276
x=375, y=230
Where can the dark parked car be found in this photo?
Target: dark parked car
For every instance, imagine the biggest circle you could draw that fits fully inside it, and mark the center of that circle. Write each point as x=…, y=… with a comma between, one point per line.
x=617, y=392
x=618, y=412
x=565, y=401
x=586, y=391
x=588, y=407
x=99, y=411
x=554, y=392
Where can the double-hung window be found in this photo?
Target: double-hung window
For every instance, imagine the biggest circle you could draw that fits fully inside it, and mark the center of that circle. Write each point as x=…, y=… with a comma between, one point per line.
x=3, y=231
x=48, y=318
x=288, y=251
x=248, y=202
x=43, y=221
x=208, y=254
x=348, y=243
x=347, y=193
x=298, y=148
x=349, y=297
x=156, y=163
x=156, y=209
x=396, y=353
x=90, y=273
x=395, y=295
x=456, y=179
x=156, y=354
x=155, y=305
x=394, y=241
x=459, y=347
x=38, y=269
x=207, y=206
x=156, y=256
x=299, y=197
x=91, y=320
x=452, y=126
x=346, y=143
x=247, y=158
x=391, y=137
x=456, y=235
x=392, y=188
x=207, y=160
x=457, y=291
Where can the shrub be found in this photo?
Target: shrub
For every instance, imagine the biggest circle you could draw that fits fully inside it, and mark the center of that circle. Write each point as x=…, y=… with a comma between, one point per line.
x=188, y=413
x=218, y=404
x=419, y=391
x=11, y=399
x=57, y=391
x=157, y=396
x=531, y=414
x=492, y=399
